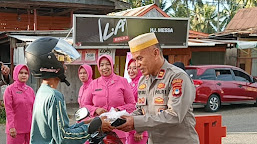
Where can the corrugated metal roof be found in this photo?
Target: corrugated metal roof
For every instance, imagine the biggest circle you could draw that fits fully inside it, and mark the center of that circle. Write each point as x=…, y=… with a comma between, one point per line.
x=132, y=12
x=244, y=19
x=30, y=39
x=140, y=11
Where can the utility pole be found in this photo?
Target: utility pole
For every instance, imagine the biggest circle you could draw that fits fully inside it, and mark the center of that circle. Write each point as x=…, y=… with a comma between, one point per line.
x=218, y=22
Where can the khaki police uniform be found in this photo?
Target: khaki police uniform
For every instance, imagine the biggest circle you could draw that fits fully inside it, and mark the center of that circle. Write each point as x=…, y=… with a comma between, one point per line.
x=165, y=107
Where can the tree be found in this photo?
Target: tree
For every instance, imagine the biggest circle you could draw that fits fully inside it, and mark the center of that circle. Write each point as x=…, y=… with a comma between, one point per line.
x=203, y=19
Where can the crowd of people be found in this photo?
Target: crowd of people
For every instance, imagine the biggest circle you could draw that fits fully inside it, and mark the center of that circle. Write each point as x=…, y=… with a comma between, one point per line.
x=159, y=97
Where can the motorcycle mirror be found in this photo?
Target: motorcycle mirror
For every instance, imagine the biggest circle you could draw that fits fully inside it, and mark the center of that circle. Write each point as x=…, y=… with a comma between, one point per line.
x=81, y=114
x=94, y=125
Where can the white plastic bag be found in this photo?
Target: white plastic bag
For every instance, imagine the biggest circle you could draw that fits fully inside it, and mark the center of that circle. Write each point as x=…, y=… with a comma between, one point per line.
x=112, y=115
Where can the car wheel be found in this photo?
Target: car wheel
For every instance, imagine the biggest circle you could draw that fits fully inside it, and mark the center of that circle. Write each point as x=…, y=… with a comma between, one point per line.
x=213, y=103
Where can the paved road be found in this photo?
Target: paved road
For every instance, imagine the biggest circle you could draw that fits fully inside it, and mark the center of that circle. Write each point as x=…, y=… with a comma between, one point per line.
x=237, y=118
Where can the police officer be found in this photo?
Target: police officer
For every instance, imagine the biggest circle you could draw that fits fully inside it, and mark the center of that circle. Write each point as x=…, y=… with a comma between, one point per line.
x=4, y=74
x=165, y=96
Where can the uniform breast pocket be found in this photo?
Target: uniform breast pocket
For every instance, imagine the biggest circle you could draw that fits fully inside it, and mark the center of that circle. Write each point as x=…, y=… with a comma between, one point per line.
x=117, y=95
x=160, y=100
x=160, y=103
x=18, y=98
x=99, y=97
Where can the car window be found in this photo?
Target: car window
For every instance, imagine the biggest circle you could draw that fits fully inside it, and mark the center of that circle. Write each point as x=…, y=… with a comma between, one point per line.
x=241, y=76
x=209, y=74
x=192, y=73
x=223, y=75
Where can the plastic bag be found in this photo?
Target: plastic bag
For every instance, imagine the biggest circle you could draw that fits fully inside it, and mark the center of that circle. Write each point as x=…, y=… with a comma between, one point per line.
x=113, y=115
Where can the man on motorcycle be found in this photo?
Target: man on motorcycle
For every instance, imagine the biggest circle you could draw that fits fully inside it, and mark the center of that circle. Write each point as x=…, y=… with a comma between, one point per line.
x=50, y=123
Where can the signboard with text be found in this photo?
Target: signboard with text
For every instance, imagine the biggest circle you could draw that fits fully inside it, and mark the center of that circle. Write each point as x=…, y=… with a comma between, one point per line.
x=96, y=31
x=90, y=56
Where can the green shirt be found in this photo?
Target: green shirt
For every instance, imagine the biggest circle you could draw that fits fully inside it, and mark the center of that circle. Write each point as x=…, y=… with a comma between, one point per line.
x=50, y=122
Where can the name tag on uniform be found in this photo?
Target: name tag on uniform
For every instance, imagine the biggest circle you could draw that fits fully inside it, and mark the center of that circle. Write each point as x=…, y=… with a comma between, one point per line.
x=98, y=89
x=19, y=92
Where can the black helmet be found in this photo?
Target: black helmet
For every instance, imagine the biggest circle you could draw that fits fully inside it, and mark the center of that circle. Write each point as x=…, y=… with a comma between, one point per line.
x=45, y=55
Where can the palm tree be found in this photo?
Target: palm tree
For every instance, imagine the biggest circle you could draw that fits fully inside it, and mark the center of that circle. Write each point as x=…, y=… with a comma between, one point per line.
x=230, y=9
x=203, y=19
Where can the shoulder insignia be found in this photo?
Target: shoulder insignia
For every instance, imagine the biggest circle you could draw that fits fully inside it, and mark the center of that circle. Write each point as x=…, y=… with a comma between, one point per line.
x=161, y=74
x=142, y=86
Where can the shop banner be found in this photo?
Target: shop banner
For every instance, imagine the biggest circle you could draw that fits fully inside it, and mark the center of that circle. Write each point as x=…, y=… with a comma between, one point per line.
x=90, y=56
x=96, y=31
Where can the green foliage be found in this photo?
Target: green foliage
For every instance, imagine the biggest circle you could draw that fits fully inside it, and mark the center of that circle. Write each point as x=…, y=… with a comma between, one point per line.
x=2, y=113
x=203, y=16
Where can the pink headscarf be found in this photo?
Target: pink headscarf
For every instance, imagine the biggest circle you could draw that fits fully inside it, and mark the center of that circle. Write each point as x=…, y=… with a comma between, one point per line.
x=16, y=71
x=98, y=66
x=89, y=74
x=134, y=83
x=86, y=83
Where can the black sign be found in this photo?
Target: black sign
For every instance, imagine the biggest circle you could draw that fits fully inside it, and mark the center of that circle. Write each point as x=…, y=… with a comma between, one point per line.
x=109, y=31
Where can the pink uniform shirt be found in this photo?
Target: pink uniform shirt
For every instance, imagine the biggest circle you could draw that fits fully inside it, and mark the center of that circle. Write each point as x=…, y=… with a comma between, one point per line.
x=106, y=92
x=18, y=100
x=85, y=85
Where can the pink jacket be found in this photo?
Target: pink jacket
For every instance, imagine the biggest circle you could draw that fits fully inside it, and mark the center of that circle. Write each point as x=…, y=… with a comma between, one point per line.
x=85, y=85
x=113, y=93
x=18, y=100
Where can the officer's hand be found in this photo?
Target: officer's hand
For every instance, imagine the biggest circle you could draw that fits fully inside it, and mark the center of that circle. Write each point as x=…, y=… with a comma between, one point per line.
x=128, y=126
x=106, y=126
x=99, y=111
x=13, y=132
x=138, y=137
x=5, y=70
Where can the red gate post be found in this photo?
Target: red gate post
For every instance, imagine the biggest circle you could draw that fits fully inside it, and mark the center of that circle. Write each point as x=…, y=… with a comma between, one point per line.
x=209, y=129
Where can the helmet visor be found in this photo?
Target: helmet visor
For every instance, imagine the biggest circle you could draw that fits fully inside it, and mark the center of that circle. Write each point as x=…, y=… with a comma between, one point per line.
x=64, y=52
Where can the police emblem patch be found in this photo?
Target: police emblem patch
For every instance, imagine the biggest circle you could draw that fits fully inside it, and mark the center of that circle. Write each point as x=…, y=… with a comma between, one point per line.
x=177, y=87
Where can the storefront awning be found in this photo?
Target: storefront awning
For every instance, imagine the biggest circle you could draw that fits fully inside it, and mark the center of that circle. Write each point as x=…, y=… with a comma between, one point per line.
x=246, y=44
x=29, y=39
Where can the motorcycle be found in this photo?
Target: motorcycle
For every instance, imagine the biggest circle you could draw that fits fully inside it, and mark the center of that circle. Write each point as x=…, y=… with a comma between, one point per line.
x=94, y=129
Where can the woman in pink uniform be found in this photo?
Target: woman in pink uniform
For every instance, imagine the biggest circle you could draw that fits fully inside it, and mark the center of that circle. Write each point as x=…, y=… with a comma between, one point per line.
x=135, y=74
x=85, y=75
x=109, y=90
x=18, y=100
